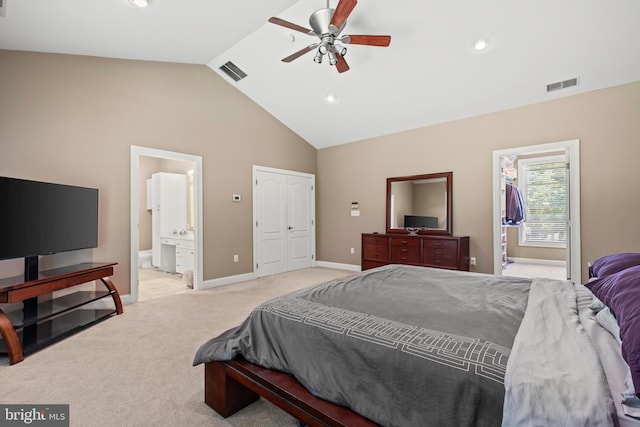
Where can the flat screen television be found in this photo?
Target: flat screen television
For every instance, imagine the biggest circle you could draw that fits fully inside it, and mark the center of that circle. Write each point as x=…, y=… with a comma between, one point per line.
x=418, y=221
x=41, y=218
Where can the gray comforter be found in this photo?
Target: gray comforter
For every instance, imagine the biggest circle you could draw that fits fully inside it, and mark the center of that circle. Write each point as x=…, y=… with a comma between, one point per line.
x=400, y=345
x=413, y=346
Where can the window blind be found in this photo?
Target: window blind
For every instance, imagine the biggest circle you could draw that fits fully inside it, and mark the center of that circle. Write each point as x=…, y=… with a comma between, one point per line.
x=545, y=196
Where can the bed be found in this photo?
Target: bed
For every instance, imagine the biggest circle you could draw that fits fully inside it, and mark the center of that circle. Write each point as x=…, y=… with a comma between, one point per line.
x=402, y=345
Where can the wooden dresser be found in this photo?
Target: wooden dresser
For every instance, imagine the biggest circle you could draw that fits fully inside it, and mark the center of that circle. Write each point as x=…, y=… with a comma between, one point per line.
x=448, y=252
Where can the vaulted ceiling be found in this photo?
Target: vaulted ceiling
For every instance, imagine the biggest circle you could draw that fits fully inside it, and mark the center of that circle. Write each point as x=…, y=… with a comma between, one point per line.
x=429, y=74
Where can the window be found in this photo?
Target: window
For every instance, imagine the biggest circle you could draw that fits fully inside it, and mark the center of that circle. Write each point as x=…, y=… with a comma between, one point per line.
x=543, y=185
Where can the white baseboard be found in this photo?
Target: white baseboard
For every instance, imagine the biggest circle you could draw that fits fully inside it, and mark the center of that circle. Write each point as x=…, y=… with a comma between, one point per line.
x=538, y=261
x=222, y=281
x=338, y=266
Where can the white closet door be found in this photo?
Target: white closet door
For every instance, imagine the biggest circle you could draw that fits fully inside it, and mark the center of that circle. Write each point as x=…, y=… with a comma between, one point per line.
x=284, y=221
x=299, y=197
x=271, y=223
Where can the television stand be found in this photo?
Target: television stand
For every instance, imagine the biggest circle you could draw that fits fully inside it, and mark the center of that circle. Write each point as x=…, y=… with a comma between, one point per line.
x=45, y=322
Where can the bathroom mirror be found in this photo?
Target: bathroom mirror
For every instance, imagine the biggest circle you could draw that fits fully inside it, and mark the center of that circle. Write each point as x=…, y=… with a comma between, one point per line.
x=420, y=204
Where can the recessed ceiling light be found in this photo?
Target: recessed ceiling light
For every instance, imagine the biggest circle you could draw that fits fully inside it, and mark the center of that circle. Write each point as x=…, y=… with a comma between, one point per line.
x=331, y=99
x=481, y=44
x=140, y=3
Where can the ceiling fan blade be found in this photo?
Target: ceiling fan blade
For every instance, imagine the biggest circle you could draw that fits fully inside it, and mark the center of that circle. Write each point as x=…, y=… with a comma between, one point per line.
x=367, y=40
x=343, y=10
x=291, y=25
x=341, y=65
x=299, y=53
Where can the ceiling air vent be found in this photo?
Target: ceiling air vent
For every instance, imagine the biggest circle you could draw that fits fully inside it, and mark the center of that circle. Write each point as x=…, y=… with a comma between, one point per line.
x=3, y=7
x=231, y=70
x=562, y=85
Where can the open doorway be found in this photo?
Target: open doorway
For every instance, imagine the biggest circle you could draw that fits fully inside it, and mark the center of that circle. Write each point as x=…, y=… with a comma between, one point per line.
x=166, y=255
x=537, y=211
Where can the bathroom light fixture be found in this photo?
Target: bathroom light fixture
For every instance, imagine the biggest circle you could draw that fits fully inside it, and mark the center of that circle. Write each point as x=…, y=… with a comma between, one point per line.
x=331, y=99
x=140, y=3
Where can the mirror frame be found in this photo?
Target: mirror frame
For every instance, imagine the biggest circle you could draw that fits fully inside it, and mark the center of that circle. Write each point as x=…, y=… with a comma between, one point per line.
x=448, y=230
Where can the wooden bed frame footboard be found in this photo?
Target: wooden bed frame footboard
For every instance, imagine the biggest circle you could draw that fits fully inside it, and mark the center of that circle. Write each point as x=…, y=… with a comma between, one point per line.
x=230, y=386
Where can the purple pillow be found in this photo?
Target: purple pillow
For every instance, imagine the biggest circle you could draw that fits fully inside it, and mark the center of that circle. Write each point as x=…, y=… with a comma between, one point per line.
x=613, y=263
x=621, y=293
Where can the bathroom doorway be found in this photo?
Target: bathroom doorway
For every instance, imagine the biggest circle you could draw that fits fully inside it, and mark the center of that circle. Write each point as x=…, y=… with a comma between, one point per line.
x=166, y=258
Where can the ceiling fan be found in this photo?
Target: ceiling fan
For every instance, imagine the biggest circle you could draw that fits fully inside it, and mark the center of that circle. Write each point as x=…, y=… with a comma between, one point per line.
x=327, y=24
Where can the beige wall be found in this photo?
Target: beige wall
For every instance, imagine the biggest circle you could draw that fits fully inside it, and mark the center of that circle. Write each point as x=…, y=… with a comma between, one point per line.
x=72, y=120
x=607, y=123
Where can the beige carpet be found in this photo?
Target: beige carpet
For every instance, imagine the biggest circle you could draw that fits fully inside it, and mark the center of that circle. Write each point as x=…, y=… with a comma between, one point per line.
x=136, y=369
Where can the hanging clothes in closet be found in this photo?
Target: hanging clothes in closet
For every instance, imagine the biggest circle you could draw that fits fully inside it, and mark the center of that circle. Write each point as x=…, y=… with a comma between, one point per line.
x=515, y=213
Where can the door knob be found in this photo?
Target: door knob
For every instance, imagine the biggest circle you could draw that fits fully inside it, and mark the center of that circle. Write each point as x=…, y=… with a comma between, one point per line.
x=291, y=228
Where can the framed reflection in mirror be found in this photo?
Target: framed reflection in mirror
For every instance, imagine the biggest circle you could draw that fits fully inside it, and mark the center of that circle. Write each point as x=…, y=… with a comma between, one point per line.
x=420, y=204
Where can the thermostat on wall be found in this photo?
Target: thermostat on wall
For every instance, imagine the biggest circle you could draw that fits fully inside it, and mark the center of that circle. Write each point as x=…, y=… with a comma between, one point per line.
x=236, y=198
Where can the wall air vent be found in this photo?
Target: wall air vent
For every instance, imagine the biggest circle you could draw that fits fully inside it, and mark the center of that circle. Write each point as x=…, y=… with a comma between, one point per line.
x=232, y=71
x=3, y=7
x=562, y=85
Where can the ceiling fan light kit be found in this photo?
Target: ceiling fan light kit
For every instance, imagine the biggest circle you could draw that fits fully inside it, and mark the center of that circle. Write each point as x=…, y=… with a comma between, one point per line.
x=327, y=24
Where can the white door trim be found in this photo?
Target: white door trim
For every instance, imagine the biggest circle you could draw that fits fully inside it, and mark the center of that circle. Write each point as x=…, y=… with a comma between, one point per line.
x=255, y=169
x=572, y=148
x=136, y=152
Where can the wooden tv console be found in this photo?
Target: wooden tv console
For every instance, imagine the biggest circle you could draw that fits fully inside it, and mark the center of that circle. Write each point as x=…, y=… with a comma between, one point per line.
x=42, y=323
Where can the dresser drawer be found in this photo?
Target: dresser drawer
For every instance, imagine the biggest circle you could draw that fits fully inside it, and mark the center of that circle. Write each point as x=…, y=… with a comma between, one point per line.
x=446, y=244
x=405, y=242
x=441, y=253
x=405, y=250
x=375, y=248
x=405, y=255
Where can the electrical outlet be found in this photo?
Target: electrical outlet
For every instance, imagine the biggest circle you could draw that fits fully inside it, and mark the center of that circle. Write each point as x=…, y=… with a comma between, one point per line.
x=235, y=258
x=472, y=260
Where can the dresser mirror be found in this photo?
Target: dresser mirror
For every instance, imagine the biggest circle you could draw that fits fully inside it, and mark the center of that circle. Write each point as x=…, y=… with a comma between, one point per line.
x=420, y=204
